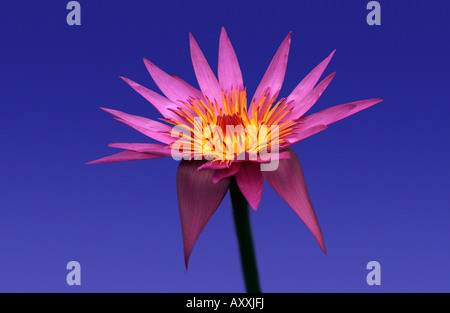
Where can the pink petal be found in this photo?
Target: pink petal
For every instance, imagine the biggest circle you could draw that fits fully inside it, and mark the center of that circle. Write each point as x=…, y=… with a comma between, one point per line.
x=125, y=156
x=274, y=76
x=289, y=183
x=161, y=103
x=198, y=199
x=214, y=165
x=336, y=113
x=229, y=72
x=308, y=83
x=300, y=108
x=314, y=123
x=226, y=172
x=206, y=79
x=172, y=87
x=302, y=132
x=150, y=128
x=152, y=148
x=251, y=183
x=269, y=157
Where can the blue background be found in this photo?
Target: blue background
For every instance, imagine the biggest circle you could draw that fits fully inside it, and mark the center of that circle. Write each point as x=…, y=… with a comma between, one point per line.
x=378, y=180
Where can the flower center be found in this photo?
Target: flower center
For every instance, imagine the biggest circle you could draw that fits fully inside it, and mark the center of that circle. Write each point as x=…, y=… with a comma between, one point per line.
x=226, y=131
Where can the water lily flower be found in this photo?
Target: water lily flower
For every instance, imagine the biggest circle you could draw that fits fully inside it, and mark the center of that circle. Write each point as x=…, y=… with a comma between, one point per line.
x=202, y=182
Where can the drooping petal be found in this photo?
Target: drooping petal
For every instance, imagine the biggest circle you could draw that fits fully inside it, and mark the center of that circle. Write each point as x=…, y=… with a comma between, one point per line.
x=289, y=183
x=172, y=87
x=274, y=76
x=198, y=199
x=226, y=172
x=229, y=72
x=152, y=148
x=206, y=79
x=336, y=113
x=162, y=104
x=308, y=83
x=150, y=128
x=126, y=156
x=251, y=183
x=300, y=108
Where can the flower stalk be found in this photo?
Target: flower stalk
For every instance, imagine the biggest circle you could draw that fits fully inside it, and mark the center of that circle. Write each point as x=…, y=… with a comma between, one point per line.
x=245, y=240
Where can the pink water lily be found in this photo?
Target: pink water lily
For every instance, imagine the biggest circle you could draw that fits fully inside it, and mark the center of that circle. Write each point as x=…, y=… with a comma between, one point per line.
x=203, y=182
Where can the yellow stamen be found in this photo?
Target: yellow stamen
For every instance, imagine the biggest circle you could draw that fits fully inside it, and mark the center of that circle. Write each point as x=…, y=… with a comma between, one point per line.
x=206, y=114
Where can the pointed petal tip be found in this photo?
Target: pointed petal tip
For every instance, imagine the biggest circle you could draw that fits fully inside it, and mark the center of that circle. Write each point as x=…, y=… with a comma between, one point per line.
x=114, y=145
x=330, y=56
x=128, y=81
x=327, y=80
x=125, y=79
x=255, y=205
x=288, y=37
x=110, y=111
x=289, y=182
x=374, y=101
x=198, y=200
x=147, y=62
x=371, y=102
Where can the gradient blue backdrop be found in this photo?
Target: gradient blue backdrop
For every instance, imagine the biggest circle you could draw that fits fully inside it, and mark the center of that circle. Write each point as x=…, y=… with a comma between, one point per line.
x=378, y=180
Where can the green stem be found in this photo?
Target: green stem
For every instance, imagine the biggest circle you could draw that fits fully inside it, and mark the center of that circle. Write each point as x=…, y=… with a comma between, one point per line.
x=244, y=234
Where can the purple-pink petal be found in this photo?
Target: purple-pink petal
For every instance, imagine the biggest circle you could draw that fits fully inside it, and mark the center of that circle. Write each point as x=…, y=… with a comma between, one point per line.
x=250, y=182
x=229, y=72
x=336, y=113
x=150, y=128
x=206, y=79
x=274, y=76
x=226, y=172
x=162, y=104
x=301, y=107
x=198, y=199
x=289, y=183
x=308, y=83
x=302, y=131
x=214, y=165
x=126, y=156
x=152, y=148
x=172, y=87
